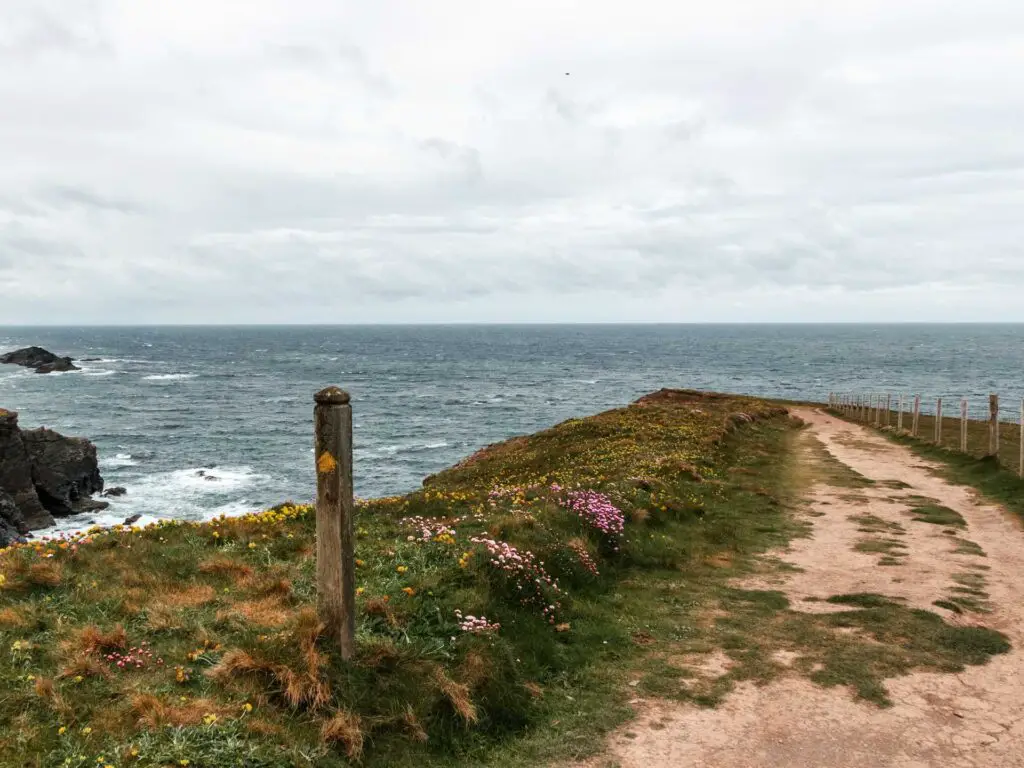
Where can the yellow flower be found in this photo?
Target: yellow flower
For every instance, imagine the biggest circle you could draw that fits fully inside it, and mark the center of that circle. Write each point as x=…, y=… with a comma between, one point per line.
x=210, y=719
x=401, y=569
x=247, y=707
x=183, y=762
x=87, y=730
x=252, y=545
x=79, y=678
x=409, y=591
x=61, y=731
x=360, y=563
x=3, y=579
x=360, y=590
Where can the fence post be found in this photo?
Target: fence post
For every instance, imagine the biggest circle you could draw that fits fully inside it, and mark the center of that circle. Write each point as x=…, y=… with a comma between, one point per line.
x=1021, y=470
x=335, y=564
x=877, y=400
x=917, y=414
x=888, y=409
x=938, y=421
x=963, y=425
x=899, y=418
x=993, y=425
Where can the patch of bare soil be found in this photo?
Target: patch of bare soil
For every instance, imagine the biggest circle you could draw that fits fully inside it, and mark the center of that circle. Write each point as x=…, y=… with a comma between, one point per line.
x=972, y=719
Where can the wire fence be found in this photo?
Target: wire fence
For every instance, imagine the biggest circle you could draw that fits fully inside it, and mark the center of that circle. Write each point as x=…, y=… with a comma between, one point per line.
x=949, y=422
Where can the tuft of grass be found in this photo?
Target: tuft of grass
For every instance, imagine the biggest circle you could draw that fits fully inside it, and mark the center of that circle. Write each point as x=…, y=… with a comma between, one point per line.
x=936, y=514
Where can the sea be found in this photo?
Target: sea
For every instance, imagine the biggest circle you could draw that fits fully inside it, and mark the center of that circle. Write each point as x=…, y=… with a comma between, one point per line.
x=201, y=421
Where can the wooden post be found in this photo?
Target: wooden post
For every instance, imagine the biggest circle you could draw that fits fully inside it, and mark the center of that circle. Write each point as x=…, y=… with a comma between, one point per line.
x=878, y=409
x=888, y=409
x=963, y=425
x=899, y=418
x=335, y=563
x=917, y=414
x=1021, y=470
x=938, y=421
x=993, y=425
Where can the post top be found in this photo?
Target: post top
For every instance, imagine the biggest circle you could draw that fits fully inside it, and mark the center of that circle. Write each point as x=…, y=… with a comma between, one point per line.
x=332, y=396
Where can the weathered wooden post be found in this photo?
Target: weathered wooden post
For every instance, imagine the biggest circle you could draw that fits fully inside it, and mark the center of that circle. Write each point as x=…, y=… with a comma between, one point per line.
x=335, y=564
x=878, y=409
x=963, y=425
x=888, y=409
x=938, y=421
x=917, y=415
x=993, y=425
x=899, y=418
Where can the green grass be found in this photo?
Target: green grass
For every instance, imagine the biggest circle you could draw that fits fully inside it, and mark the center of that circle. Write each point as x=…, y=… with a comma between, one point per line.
x=936, y=514
x=240, y=672
x=707, y=484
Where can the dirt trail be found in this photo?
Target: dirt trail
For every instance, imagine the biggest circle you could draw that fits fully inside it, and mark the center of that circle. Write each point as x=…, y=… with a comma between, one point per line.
x=974, y=718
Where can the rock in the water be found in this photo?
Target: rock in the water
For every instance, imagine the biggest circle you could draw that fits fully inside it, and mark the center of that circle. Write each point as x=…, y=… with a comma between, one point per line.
x=88, y=505
x=114, y=492
x=43, y=361
x=16, y=473
x=132, y=520
x=64, y=470
x=12, y=524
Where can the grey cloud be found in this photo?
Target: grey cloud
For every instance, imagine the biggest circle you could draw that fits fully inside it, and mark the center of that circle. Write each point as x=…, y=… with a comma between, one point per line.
x=305, y=161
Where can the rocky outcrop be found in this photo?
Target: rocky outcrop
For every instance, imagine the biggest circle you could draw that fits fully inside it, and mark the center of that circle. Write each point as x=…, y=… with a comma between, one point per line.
x=65, y=471
x=12, y=523
x=39, y=359
x=42, y=474
x=16, y=473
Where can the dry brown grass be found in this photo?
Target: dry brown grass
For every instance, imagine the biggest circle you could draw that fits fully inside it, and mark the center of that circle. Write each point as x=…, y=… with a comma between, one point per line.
x=301, y=686
x=45, y=573
x=457, y=695
x=46, y=690
x=346, y=729
x=152, y=712
x=219, y=565
x=14, y=618
x=188, y=597
x=266, y=612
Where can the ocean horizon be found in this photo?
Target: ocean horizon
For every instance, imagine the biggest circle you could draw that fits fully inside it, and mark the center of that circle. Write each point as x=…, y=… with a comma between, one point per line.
x=170, y=406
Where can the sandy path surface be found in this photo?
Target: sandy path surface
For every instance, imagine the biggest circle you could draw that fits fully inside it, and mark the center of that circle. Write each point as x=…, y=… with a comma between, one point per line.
x=975, y=718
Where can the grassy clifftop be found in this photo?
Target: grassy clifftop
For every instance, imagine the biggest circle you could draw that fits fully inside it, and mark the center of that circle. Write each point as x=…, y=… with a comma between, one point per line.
x=491, y=607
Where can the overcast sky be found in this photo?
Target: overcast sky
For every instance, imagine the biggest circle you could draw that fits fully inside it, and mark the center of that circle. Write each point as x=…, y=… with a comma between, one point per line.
x=528, y=160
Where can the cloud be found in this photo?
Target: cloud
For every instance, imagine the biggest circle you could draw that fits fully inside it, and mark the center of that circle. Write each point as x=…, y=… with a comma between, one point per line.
x=392, y=162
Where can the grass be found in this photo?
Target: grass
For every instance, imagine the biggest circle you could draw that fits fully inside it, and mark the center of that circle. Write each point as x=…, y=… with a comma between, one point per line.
x=224, y=659
x=225, y=662
x=936, y=514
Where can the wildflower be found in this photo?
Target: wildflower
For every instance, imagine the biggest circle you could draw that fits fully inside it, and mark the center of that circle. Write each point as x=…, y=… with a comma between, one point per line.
x=360, y=563
x=87, y=730
x=209, y=719
x=402, y=569
x=252, y=545
x=61, y=731
x=183, y=762
x=360, y=590
x=409, y=591
x=247, y=707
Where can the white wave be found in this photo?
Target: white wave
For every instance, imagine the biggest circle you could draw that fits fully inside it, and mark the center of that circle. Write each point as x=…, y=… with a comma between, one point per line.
x=434, y=446
x=89, y=372
x=170, y=377
x=118, y=460
x=67, y=526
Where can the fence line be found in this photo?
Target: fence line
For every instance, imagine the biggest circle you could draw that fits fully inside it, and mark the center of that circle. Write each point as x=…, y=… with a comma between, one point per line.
x=868, y=408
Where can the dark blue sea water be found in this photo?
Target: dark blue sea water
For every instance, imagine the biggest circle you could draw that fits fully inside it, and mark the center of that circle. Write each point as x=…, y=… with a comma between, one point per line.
x=163, y=403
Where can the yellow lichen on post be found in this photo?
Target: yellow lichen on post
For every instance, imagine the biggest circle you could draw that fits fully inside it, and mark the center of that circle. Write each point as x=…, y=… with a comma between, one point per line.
x=326, y=464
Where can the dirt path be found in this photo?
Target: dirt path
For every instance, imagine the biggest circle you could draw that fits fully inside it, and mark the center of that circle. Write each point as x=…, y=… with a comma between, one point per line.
x=912, y=537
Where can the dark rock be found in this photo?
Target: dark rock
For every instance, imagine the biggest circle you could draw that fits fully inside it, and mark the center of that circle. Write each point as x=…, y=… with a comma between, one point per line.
x=90, y=359
x=12, y=524
x=16, y=473
x=81, y=506
x=39, y=359
x=114, y=492
x=211, y=478
x=64, y=469
x=132, y=520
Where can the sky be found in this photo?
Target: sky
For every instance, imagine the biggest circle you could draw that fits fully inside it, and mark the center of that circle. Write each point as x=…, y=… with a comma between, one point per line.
x=325, y=161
